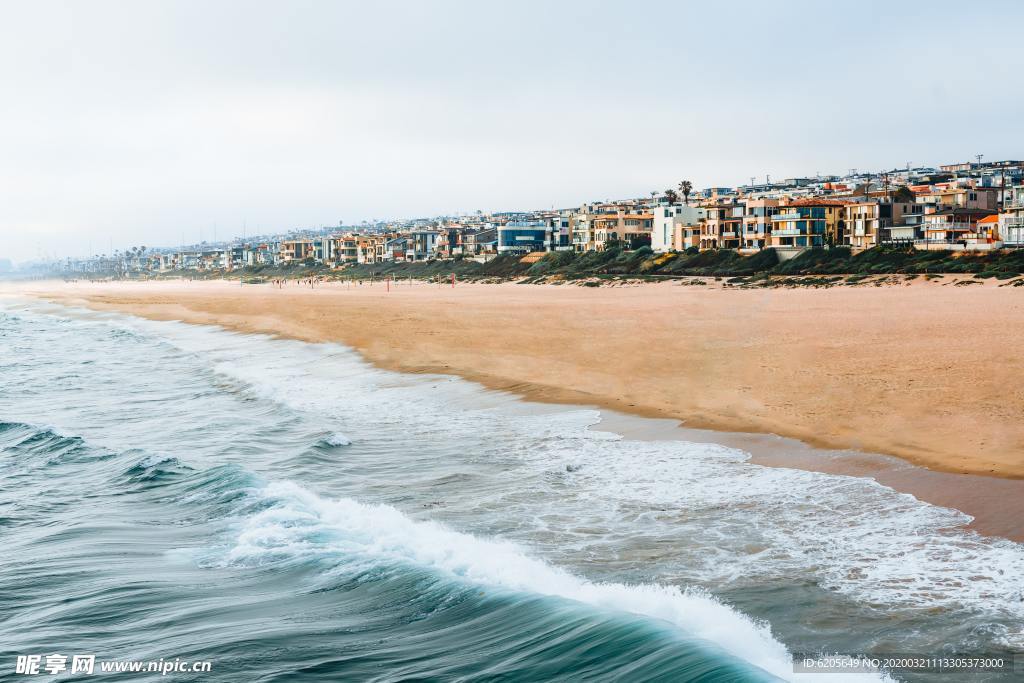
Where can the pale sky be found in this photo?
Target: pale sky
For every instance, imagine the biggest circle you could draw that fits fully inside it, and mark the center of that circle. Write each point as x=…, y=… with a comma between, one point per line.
x=138, y=122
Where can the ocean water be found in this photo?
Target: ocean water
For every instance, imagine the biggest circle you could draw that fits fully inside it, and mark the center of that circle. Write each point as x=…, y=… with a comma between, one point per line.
x=288, y=512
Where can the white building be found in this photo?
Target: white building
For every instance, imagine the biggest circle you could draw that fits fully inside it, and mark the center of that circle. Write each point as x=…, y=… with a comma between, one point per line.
x=666, y=218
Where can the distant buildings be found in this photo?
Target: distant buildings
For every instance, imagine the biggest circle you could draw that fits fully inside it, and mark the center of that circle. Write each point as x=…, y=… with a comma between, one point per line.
x=963, y=206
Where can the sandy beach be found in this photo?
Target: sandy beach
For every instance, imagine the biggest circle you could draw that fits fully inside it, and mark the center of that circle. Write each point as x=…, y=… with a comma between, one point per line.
x=922, y=371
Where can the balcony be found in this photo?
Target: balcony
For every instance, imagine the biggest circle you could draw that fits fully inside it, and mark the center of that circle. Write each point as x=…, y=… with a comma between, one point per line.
x=952, y=226
x=791, y=216
x=1012, y=232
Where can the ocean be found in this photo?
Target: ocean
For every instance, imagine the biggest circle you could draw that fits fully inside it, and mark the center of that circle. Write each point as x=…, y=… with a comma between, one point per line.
x=288, y=512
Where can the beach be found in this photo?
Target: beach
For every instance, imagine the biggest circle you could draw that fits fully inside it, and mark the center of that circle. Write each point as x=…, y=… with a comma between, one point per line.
x=925, y=371
x=833, y=380
x=257, y=465
x=222, y=479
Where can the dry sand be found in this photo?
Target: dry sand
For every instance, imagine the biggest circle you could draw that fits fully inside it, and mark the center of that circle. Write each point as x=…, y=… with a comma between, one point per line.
x=928, y=372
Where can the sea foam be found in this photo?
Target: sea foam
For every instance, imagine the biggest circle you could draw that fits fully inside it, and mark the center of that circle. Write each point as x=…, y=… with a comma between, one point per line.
x=301, y=525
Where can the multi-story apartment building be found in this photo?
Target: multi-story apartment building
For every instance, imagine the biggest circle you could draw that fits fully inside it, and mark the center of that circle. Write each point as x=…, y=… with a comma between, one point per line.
x=869, y=223
x=523, y=237
x=323, y=250
x=581, y=230
x=631, y=230
x=956, y=226
x=1011, y=218
x=346, y=249
x=807, y=223
x=480, y=241
x=757, y=223
x=560, y=226
x=449, y=241
x=670, y=220
x=422, y=245
x=370, y=249
x=984, y=198
x=722, y=225
x=296, y=250
x=687, y=235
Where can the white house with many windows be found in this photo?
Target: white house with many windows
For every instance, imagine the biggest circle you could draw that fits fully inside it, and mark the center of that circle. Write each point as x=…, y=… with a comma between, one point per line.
x=666, y=218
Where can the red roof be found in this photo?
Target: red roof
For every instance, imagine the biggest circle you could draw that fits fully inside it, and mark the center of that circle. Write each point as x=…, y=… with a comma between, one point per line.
x=989, y=219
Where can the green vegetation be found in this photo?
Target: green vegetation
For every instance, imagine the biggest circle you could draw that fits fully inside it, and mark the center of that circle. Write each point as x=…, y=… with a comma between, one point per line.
x=902, y=260
x=618, y=263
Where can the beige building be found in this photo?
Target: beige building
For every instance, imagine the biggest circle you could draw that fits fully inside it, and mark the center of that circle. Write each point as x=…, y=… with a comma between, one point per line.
x=807, y=222
x=868, y=224
x=296, y=250
x=630, y=229
x=983, y=198
x=757, y=222
x=723, y=226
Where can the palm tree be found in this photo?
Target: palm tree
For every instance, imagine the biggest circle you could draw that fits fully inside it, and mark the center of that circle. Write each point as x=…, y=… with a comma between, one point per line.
x=671, y=195
x=685, y=188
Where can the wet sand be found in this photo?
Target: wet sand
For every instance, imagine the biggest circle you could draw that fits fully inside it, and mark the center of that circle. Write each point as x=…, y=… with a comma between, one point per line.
x=925, y=371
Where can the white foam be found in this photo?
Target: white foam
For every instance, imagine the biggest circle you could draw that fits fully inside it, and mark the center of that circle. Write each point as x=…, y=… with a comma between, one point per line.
x=302, y=524
x=337, y=439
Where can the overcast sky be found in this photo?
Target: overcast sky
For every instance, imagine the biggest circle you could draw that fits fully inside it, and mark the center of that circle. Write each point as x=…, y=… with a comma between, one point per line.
x=145, y=122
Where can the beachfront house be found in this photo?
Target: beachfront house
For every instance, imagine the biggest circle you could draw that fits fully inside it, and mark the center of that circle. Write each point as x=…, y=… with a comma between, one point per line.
x=722, y=225
x=559, y=231
x=346, y=249
x=870, y=223
x=421, y=245
x=581, y=230
x=323, y=250
x=296, y=250
x=809, y=222
x=450, y=241
x=523, y=237
x=626, y=228
x=757, y=223
x=958, y=229
x=395, y=249
x=669, y=221
x=1011, y=218
x=480, y=242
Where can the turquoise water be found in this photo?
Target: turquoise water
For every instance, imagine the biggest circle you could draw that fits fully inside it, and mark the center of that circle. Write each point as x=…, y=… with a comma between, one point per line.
x=287, y=512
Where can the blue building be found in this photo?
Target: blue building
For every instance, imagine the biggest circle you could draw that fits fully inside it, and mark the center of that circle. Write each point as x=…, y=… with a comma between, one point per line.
x=523, y=237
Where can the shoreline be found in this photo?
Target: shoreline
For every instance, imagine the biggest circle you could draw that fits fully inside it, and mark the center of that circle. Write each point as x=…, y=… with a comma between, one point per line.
x=996, y=504
x=990, y=498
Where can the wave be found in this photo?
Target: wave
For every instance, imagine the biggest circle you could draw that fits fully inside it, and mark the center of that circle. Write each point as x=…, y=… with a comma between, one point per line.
x=336, y=439
x=300, y=526
x=27, y=443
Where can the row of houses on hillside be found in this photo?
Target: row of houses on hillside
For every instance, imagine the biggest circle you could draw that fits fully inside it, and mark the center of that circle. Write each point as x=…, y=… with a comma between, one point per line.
x=966, y=206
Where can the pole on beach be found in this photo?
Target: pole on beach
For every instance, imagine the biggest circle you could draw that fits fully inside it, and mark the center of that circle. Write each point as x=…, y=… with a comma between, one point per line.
x=453, y=280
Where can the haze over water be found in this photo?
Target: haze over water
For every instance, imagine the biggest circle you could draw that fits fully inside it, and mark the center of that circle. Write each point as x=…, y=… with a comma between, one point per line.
x=289, y=512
